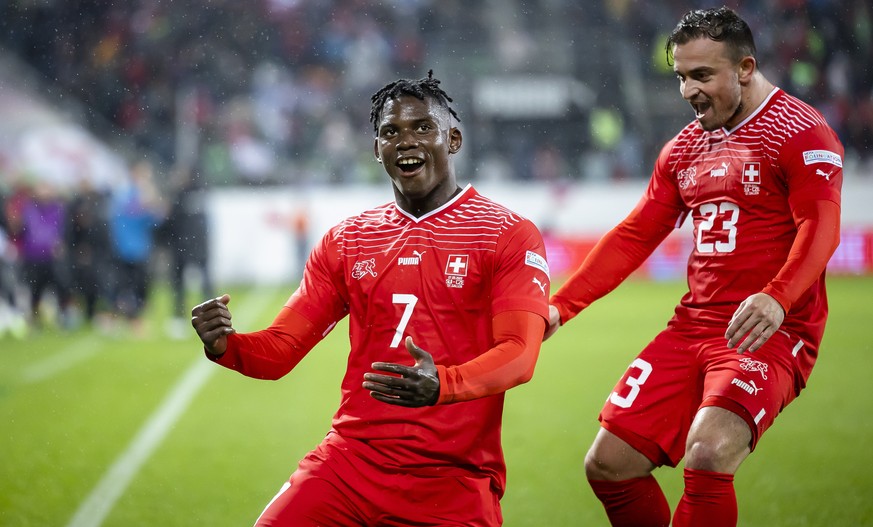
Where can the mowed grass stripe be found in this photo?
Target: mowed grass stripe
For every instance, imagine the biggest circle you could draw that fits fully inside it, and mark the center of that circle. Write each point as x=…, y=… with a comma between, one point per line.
x=77, y=352
x=99, y=503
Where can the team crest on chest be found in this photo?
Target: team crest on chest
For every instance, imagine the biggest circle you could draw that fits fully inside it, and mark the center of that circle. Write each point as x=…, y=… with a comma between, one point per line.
x=364, y=268
x=687, y=177
x=752, y=178
x=456, y=270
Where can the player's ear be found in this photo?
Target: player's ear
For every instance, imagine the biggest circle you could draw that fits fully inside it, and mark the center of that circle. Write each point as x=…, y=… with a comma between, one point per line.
x=376, y=151
x=455, y=140
x=747, y=67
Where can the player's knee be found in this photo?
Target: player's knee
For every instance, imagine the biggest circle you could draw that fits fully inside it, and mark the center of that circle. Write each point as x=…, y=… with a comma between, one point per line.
x=714, y=455
x=603, y=467
x=597, y=468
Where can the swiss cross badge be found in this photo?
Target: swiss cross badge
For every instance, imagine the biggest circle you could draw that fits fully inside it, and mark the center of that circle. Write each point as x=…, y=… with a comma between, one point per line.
x=456, y=270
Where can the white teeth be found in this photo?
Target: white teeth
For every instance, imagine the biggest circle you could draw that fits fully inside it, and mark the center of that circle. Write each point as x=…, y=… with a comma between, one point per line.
x=409, y=161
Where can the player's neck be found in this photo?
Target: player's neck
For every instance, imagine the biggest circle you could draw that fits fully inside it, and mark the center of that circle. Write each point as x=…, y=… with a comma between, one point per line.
x=751, y=99
x=418, y=207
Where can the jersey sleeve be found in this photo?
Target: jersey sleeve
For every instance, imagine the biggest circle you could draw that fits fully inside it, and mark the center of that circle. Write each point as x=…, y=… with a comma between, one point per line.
x=624, y=248
x=813, y=166
x=818, y=235
x=323, y=296
x=521, y=272
x=308, y=315
x=812, y=162
x=517, y=337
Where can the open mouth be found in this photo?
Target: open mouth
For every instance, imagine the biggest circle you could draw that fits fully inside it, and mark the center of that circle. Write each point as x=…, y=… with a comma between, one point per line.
x=700, y=109
x=409, y=165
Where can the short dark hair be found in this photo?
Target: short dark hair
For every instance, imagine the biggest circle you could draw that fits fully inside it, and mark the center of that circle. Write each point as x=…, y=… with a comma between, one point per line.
x=719, y=24
x=421, y=88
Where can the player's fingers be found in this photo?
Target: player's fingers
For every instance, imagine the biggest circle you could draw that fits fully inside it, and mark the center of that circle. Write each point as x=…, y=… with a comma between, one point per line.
x=218, y=326
x=757, y=338
x=383, y=388
x=417, y=353
x=740, y=327
x=387, y=380
x=392, y=368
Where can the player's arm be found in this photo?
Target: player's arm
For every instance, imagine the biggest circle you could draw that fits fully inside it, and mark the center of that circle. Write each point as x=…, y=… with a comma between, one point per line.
x=510, y=362
x=619, y=253
x=814, y=198
x=273, y=352
x=308, y=315
x=759, y=316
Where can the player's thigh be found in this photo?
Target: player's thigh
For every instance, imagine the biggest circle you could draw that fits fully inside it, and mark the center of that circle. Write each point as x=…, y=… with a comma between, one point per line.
x=756, y=386
x=449, y=501
x=314, y=496
x=653, y=404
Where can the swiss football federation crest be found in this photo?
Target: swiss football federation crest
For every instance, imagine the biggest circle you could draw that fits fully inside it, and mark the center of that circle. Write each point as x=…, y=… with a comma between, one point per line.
x=687, y=177
x=364, y=268
x=456, y=270
x=751, y=365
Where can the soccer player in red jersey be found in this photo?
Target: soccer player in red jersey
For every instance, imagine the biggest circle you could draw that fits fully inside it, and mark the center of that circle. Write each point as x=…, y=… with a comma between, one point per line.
x=447, y=297
x=759, y=174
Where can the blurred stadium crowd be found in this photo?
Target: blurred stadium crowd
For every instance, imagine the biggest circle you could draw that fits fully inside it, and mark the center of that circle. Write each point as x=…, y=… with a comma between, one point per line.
x=201, y=93
x=278, y=90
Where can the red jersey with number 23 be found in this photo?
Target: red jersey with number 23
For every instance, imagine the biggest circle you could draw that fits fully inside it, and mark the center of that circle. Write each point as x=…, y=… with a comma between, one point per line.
x=439, y=278
x=740, y=187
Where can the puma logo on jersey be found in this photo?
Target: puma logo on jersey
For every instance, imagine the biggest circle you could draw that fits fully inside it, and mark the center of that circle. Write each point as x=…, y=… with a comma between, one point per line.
x=539, y=284
x=822, y=173
x=719, y=172
x=749, y=387
x=415, y=259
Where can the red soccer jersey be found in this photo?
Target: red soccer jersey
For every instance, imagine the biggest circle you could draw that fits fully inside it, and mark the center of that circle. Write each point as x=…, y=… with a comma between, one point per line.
x=739, y=187
x=439, y=278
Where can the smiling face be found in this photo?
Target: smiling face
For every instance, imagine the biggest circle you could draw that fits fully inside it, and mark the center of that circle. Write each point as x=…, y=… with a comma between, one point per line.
x=414, y=142
x=712, y=82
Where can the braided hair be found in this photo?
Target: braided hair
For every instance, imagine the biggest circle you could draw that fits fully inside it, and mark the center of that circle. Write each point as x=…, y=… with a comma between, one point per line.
x=421, y=88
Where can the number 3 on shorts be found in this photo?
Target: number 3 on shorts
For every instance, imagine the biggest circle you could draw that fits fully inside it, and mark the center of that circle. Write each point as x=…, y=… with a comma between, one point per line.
x=634, y=383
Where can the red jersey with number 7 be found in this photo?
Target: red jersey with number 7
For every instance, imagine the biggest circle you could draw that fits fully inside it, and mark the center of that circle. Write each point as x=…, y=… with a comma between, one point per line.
x=440, y=278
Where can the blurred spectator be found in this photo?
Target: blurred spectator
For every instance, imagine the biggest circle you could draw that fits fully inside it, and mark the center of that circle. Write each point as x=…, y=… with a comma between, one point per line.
x=185, y=234
x=12, y=319
x=90, y=252
x=135, y=212
x=43, y=254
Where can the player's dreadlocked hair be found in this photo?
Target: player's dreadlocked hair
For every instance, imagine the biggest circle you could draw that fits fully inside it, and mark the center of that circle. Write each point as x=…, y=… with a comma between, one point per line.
x=421, y=88
x=719, y=24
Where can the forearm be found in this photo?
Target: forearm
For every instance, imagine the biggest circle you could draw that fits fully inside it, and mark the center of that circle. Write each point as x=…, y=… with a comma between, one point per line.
x=509, y=363
x=818, y=235
x=618, y=254
x=273, y=352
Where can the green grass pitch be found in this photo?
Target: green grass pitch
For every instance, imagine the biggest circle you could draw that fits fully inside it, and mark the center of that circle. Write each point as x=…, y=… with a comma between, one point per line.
x=104, y=425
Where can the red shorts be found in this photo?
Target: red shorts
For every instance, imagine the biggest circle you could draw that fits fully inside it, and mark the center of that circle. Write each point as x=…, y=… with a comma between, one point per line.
x=686, y=368
x=334, y=487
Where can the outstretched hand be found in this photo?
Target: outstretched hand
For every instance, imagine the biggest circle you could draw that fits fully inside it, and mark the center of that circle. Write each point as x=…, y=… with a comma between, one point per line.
x=211, y=320
x=416, y=386
x=757, y=319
